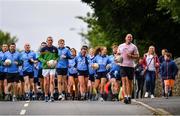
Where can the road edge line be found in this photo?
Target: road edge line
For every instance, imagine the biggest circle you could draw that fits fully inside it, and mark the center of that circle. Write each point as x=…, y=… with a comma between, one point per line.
x=156, y=111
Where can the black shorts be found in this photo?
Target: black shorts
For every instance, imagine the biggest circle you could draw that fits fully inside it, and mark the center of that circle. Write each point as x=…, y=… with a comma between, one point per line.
x=21, y=78
x=73, y=75
x=30, y=74
x=101, y=75
x=127, y=72
x=116, y=76
x=61, y=71
x=40, y=73
x=83, y=73
x=2, y=76
x=92, y=77
x=12, y=77
x=36, y=79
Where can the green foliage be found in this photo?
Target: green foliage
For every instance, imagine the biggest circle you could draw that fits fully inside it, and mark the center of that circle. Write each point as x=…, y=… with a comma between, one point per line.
x=144, y=19
x=6, y=38
x=172, y=6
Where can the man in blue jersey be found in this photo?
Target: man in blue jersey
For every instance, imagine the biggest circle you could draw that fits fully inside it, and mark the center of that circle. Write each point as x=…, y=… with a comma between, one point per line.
x=62, y=68
x=12, y=70
x=29, y=59
x=3, y=81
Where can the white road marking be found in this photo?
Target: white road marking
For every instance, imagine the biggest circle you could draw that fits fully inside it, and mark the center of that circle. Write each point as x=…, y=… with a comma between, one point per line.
x=23, y=112
x=26, y=105
x=27, y=101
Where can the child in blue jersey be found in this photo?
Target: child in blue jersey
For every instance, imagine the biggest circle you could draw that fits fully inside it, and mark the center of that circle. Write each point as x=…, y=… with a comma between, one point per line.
x=62, y=68
x=102, y=60
x=29, y=59
x=83, y=71
x=114, y=72
x=3, y=81
x=12, y=70
x=72, y=79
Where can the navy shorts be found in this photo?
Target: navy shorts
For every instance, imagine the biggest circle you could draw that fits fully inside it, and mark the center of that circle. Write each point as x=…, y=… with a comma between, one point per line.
x=40, y=73
x=30, y=74
x=12, y=77
x=115, y=75
x=61, y=71
x=73, y=75
x=127, y=72
x=92, y=77
x=83, y=73
x=21, y=78
x=2, y=76
x=101, y=75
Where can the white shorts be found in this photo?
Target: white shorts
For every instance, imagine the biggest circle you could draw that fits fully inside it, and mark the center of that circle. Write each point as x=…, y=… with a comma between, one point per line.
x=48, y=72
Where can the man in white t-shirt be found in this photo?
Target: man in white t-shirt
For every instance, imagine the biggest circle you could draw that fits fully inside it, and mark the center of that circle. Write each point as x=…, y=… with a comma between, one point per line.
x=129, y=52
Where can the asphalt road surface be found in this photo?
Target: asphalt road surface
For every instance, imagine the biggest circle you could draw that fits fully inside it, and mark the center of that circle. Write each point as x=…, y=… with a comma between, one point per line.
x=71, y=108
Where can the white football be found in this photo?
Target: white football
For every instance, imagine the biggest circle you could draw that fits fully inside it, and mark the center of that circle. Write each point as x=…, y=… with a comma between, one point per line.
x=95, y=66
x=8, y=61
x=52, y=63
x=118, y=59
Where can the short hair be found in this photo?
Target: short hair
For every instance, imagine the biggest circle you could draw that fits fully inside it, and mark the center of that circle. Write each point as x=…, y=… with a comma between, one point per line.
x=12, y=44
x=43, y=43
x=165, y=50
x=168, y=54
x=85, y=47
x=61, y=40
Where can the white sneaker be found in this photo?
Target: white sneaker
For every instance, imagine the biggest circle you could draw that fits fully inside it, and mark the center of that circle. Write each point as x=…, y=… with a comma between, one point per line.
x=152, y=96
x=146, y=95
x=60, y=97
x=101, y=99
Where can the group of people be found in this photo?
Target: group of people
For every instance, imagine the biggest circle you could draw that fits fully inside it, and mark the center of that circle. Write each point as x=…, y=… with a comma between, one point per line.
x=63, y=73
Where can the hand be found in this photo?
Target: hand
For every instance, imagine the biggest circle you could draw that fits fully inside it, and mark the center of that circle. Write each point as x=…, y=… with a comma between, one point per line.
x=157, y=65
x=129, y=55
x=108, y=66
x=63, y=56
x=16, y=63
x=6, y=63
x=48, y=64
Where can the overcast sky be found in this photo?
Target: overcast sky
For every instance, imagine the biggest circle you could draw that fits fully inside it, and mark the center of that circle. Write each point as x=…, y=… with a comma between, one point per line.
x=33, y=20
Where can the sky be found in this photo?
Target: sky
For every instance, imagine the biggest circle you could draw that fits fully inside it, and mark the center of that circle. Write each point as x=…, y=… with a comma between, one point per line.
x=32, y=21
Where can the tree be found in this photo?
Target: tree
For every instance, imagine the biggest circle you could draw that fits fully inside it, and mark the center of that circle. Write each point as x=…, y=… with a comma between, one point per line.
x=6, y=38
x=149, y=24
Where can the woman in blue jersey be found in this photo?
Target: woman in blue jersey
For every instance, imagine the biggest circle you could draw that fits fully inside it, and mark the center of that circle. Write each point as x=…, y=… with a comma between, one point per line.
x=83, y=71
x=92, y=73
x=102, y=60
x=72, y=79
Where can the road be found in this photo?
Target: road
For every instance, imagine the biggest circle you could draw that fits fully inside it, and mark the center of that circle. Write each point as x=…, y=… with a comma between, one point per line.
x=71, y=108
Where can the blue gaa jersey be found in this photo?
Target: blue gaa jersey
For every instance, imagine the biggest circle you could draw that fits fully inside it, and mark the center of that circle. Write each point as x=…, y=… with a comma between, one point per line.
x=63, y=62
x=102, y=61
x=20, y=71
x=35, y=69
x=71, y=68
x=115, y=68
x=81, y=62
x=27, y=64
x=91, y=60
x=1, y=61
x=13, y=56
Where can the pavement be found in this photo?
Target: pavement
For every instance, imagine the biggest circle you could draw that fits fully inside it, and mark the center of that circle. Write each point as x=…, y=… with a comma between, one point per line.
x=156, y=106
x=161, y=106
